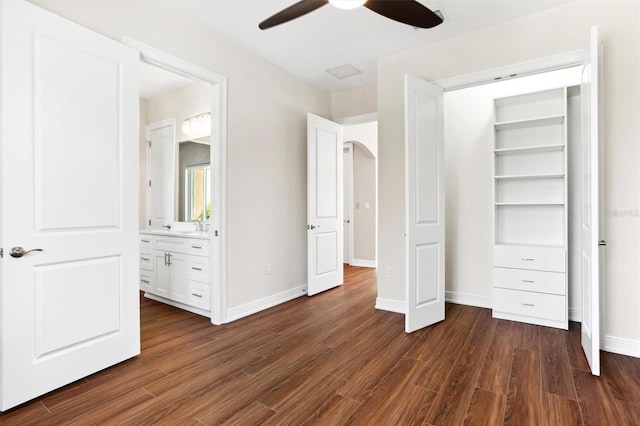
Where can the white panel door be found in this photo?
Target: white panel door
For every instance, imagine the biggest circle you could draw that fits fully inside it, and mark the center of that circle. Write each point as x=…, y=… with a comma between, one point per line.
x=161, y=167
x=424, y=183
x=324, y=204
x=347, y=219
x=592, y=218
x=68, y=185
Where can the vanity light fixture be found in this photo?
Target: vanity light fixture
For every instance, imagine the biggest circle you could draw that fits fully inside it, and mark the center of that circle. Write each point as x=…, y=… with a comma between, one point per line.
x=197, y=124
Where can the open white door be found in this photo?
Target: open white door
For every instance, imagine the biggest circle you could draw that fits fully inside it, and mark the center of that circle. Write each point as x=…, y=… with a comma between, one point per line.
x=424, y=183
x=324, y=204
x=592, y=204
x=161, y=166
x=69, y=186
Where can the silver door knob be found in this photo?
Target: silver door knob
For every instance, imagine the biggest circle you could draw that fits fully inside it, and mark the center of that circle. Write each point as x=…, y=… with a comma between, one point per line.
x=19, y=251
x=312, y=226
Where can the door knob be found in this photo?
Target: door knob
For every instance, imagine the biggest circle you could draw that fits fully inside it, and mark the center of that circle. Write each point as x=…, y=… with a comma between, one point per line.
x=19, y=251
x=312, y=226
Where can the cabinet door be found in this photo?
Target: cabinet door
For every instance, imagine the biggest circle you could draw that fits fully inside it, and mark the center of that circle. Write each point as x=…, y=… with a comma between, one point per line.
x=179, y=265
x=162, y=286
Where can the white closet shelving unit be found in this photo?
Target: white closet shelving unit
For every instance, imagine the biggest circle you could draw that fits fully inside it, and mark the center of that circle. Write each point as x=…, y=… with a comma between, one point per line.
x=530, y=202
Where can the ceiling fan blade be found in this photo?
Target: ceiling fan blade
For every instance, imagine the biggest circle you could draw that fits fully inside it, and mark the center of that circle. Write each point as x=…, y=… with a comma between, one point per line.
x=408, y=12
x=292, y=12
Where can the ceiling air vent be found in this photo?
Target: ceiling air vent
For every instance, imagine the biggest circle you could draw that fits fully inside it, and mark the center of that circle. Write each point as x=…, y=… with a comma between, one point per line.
x=344, y=71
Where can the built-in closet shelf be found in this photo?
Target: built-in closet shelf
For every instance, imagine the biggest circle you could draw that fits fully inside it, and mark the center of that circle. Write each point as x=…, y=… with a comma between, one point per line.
x=529, y=204
x=543, y=246
x=530, y=208
x=529, y=149
x=536, y=176
x=531, y=122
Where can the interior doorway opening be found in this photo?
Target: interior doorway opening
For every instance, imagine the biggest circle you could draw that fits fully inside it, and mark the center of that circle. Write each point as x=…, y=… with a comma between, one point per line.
x=191, y=172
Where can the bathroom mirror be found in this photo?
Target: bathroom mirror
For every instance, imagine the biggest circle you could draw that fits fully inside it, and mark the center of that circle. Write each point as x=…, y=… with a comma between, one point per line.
x=194, y=177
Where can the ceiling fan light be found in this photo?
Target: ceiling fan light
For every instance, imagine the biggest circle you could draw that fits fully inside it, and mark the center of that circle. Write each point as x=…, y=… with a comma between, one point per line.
x=347, y=4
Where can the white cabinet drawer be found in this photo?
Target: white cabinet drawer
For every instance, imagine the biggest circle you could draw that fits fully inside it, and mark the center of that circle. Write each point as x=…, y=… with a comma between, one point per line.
x=146, y=259
x=524, y=279
x=146, y=240
x=199, y=269
x=199, y=295
x=146, y=280
x=536, y=258
x=538, y=305
x=198, y=247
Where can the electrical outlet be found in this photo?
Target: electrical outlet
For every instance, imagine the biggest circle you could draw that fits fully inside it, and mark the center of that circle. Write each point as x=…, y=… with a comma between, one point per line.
x=267, y=269
x=392, y=273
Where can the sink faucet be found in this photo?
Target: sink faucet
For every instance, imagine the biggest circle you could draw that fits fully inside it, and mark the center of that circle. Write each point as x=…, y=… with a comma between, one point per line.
x=199, y=225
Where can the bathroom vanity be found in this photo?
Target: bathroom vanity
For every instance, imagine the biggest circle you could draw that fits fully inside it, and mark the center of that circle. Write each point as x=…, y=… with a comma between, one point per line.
x=174, y=268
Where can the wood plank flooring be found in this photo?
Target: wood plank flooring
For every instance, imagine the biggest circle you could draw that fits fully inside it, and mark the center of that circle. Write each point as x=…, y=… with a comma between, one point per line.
x=334, y=360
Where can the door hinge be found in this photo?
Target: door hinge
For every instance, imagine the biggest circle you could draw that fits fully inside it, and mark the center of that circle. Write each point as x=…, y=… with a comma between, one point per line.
x=602, y=243
x=149, y=142
x=149, y=222
x=149, y=183
x=216, y=234
x=1, y=253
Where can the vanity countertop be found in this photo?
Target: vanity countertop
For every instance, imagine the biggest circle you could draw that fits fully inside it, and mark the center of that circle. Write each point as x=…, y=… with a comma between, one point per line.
x=202, y=235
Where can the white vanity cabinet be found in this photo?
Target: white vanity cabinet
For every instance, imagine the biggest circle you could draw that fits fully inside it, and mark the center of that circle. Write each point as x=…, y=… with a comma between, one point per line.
x=531, y=212
x=175, y=270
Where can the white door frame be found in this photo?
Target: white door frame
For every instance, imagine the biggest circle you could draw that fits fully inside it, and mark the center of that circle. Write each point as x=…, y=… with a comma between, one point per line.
x=349, y=192
x=218, y=227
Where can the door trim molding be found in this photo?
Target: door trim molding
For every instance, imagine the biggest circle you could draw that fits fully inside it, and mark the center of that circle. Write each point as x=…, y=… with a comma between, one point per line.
x=521, y=69
x=218, y=83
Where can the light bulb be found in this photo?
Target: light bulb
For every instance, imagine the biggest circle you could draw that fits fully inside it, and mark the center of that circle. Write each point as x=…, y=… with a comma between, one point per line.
x=347, y=4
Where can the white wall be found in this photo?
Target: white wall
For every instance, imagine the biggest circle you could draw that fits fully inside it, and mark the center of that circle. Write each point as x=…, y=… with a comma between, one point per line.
x=364, y=206
x=266, y=159
x=184, y=102
x=358, y=101
x=558, y=30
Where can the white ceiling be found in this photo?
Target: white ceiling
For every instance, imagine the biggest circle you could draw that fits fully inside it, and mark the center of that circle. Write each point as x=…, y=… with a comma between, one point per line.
x=329, y=37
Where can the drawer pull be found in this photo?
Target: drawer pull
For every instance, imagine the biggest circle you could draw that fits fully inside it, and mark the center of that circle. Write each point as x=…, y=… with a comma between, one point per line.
x=196, y=269
x=528, y=281
x=528, y=304
x=528, y=259
x=196, y=247
x=197, y=295
x=145, y=259
x=145, y=241
x=146, y=281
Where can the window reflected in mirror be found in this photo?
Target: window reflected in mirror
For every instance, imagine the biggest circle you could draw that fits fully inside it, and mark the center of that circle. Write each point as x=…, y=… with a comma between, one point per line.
x=197, y=202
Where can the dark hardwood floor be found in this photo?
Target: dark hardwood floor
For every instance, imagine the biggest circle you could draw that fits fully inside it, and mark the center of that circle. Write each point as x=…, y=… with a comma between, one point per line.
x=333, y=359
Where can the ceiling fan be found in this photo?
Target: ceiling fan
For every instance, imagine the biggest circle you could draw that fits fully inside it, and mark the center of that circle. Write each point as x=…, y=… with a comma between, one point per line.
x=409, y=12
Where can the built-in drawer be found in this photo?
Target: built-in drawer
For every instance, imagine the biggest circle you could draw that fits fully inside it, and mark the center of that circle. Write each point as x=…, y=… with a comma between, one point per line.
x=528, y=280
x=524, y=257
x=199, y=268
x=198, y=247
x=531, y=304
x=199, y=295
x=146, y=280
x=146, y=259
x=146, y=240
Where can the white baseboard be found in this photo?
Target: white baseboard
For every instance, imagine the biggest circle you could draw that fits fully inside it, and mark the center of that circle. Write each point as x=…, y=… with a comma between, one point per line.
x=575, y=315
x=391, y=305
x=622, y=346
x=265, y=303
x=364, y=263
x=468, y=299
